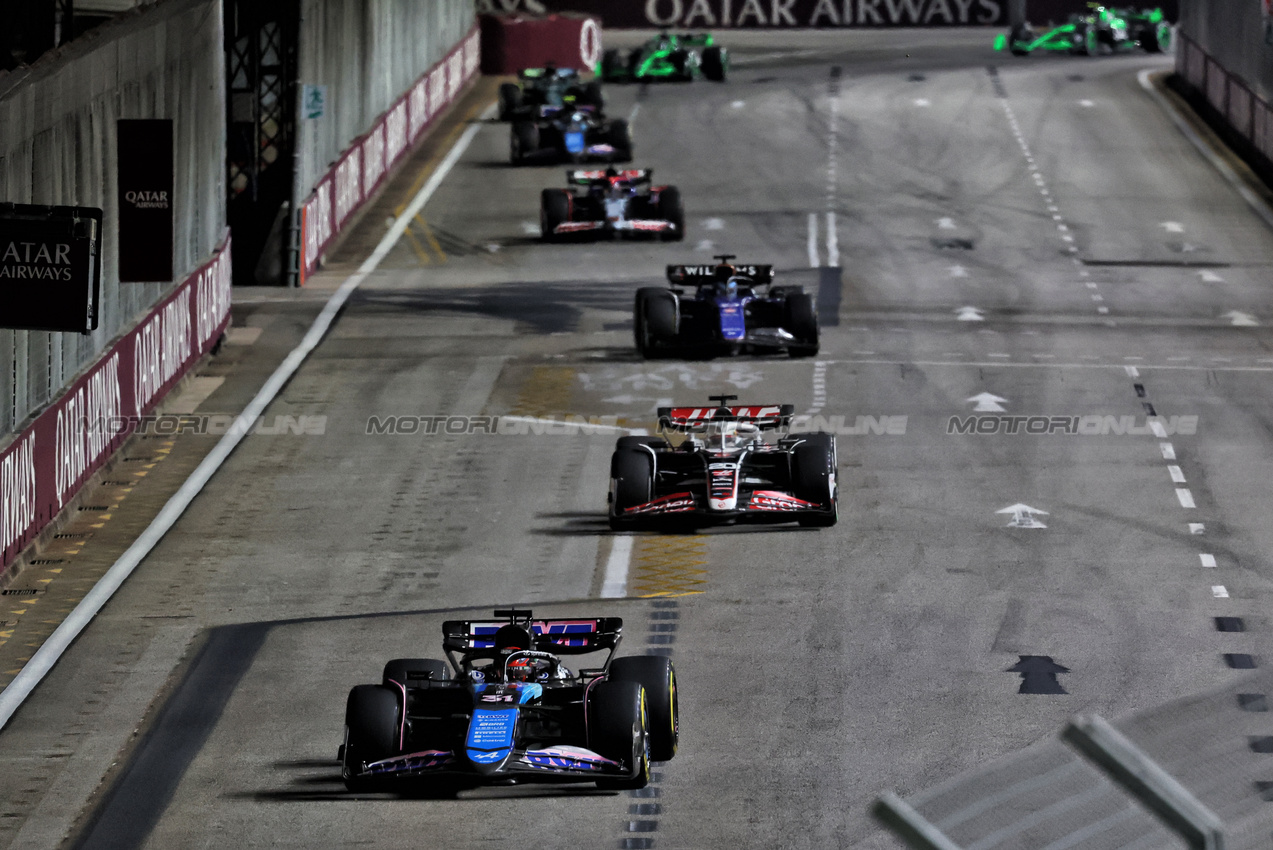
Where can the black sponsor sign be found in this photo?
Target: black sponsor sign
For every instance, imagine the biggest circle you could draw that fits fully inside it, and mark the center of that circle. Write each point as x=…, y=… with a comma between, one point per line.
x=50, y=276
x=725, y=14
x=145, y=200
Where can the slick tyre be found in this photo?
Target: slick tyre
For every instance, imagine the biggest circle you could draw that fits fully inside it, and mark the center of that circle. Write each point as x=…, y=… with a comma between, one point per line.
x=619, y=137
x=682, y=67
x=612, y=65
x=1021, y=34
x=671, y=209
x=813, y=478
x=554, y=209
x=637, y=442
x=657, y=675
x=632, y=483
x=523, y=142
x=372, y=723
x=654, y=321
x=400, y=670
x=1156, y=38
x=715, y=64
x=591, y=96
x=618, y=728
x=801, y=321
x=510, y=100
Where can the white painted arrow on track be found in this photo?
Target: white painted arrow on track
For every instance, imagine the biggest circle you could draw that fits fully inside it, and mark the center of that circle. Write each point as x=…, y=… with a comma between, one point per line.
x=987, y=403
x=969, y=314
x=1023, y=516
x=1209, y=277
x=1240, y=319
x=946, y=223
x=958, y=271
x=1172, y=226
x=713, y=224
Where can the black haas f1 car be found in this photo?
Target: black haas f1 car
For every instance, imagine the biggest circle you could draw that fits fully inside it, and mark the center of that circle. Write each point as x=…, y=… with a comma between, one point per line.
x=724, y=471
x=573, y=133
x=546, y=86
x=507, y=710
x=612, y=202
x=732, y=309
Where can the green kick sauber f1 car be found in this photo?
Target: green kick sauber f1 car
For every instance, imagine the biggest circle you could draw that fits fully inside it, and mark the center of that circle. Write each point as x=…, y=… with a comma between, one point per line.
x=1089, y=34
x=667, y=56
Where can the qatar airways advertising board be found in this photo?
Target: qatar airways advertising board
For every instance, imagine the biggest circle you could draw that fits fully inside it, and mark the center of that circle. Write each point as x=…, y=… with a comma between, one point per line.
x=768, y=14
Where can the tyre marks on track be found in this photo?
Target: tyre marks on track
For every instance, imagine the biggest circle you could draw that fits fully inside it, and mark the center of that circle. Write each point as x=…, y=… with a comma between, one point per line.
x=1049, y=201
x=644, y=809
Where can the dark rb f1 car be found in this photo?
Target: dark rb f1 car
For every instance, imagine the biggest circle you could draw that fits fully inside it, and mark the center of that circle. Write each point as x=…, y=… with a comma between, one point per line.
x=612, y=202
x=547, y=86
x=507, y=710
x=724, y=471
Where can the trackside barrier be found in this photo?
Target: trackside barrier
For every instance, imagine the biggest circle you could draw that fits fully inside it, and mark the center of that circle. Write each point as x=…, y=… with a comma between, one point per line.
x=48, y=462
x=359, y=171
x=1135, y=771
x=1244, y=118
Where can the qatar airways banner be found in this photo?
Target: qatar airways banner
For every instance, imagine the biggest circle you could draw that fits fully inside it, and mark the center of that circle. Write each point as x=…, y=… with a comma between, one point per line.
x=46, y=464
x=762, y=14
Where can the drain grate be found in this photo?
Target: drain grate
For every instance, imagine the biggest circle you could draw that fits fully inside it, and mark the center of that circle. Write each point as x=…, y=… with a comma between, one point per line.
x=19, y=591
x=73, y=535
x=42, y=562
x=94, y=508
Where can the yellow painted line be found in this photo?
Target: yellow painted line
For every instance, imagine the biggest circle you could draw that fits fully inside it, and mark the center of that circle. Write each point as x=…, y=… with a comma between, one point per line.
x=44, y=580
x=548, y=390
x=55, y=569
x=433, y=242
x=420, y=251
x=668, y=565
x=139, y=473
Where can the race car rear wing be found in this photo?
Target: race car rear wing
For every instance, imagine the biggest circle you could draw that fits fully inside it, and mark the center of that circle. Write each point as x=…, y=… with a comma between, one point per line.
x=579, y=177
x=697, y=275
x=561, y=637
x=686, y=419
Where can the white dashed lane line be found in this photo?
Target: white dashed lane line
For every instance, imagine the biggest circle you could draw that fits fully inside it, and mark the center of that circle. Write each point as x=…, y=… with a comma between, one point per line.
x=1049, y=202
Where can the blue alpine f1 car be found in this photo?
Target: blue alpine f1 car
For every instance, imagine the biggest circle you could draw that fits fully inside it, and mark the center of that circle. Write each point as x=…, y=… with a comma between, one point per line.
x=724, y=309
x=507, y=710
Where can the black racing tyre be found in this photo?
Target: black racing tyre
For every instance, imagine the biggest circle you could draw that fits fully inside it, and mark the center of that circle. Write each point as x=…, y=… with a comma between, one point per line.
x=399, y=670
x=634, y=442
x=373, y=716
x=1020, y=33
x=813, y=477
x=715, y=63
x=671, y=209
x=554, y=209
x=680, y=60
x=657, y=675
x=632, y=482
x=523, y=141
x=619, y=136
x=618, y=728
x=1155, y=38
x=591, y=96
x=654, y=321
x=510, y=100
x=612, y=65
x=801, y=322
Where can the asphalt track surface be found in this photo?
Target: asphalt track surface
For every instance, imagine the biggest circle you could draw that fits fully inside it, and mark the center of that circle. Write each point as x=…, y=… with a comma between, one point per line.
x=817, y=668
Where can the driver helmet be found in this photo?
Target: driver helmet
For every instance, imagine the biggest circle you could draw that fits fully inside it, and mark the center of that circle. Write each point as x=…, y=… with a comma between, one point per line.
x=727, y=435
x=521, y=669
x=728, y=289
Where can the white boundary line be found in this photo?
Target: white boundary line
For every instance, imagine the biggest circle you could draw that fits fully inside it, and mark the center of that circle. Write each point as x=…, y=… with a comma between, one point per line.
x=615, y=583
x=1226, y=171
x=49, y=653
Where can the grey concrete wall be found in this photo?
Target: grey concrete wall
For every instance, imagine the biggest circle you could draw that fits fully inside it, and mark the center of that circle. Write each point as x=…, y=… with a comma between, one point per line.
x=367, y=53
x=1234, y=33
